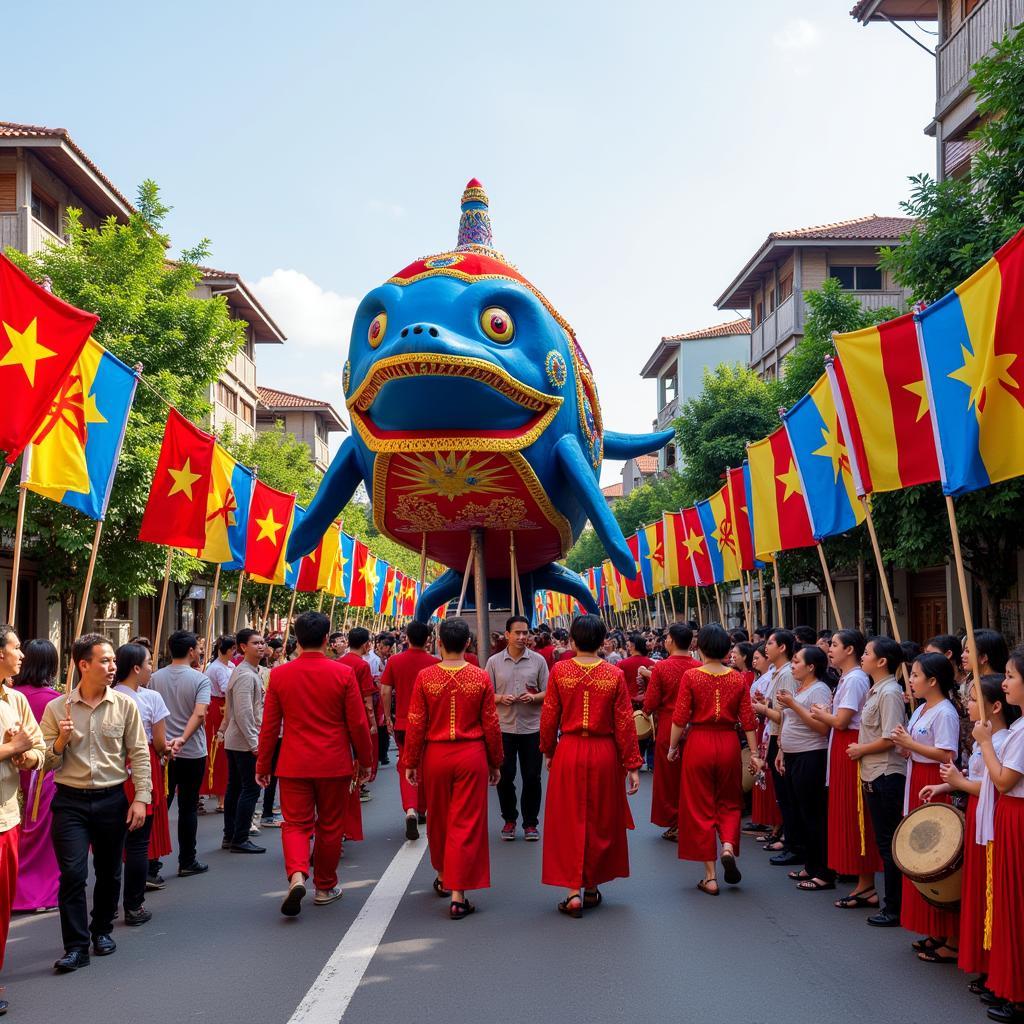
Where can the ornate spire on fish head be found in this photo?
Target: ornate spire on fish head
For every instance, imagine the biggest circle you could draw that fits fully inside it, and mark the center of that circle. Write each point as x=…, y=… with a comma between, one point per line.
x=475, y=222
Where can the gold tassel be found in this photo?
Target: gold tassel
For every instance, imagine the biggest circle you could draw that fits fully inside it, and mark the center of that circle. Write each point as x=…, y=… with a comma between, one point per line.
x=167, y=779
x=38, y=777
x=860, y=813
x=986, y=942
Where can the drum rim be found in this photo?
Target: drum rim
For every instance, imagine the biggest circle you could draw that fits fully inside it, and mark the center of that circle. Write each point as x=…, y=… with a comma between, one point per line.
x=953, y=864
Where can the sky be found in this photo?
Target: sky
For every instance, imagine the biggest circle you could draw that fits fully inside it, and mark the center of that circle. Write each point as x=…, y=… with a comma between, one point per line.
x=635, y=155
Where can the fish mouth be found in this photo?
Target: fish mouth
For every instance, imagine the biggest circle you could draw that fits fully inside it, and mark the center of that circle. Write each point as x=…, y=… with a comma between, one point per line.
x=518, y=413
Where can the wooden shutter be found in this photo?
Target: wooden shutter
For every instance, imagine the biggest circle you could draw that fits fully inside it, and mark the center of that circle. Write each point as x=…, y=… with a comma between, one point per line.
x=8, y=191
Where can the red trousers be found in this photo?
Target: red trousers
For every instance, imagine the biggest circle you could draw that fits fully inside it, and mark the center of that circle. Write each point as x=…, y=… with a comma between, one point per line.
x=317, y=808
x=847, y=814
x=665, y=788
x=412, y=796
x=8, y=882
x=711, y=793
x=455, y=778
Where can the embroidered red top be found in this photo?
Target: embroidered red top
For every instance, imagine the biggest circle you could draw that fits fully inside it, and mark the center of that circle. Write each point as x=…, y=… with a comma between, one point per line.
x=707, y=699
x=589, y=700
x=400, y=674
x=663, y=685
x=449, y=705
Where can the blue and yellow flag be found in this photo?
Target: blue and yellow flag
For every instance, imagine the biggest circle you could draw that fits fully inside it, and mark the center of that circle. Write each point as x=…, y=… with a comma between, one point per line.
x=74, y=454
x=720, y=532
x=227, y=511
x=972, y=350
x=823, y=462
x=340, y=584
x=293, y=569
x=380, y=586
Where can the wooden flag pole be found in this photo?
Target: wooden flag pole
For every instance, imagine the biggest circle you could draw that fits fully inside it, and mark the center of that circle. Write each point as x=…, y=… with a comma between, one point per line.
x=686, y=603
x=672, y=602
x=288, y=623
x=721, y=610
x=5, y=475
x=213, y=615
x=163, y=606
x=828, y=585
x=700, y=607
x=512, y=572
x=334, y=601
x=465, y=575
x=320, y=603
x=266, y=610
x=238, y=601
x=882, y=577
x=19, y=534
x=860, y=594
x=423, y=561
x=748, y=603
x=778, y=591
x=763, y=596
x=961, y=576
x=80, y=619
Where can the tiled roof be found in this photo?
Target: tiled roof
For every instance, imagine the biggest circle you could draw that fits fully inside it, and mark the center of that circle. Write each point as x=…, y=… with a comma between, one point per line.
x=612, y=491
x=741, y=326
x=10, y=130
x=646, y=464
x=868, y=228
x=275, y=399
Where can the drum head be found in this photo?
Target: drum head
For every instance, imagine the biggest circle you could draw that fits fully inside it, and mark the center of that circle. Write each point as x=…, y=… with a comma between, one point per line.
x=929, y=842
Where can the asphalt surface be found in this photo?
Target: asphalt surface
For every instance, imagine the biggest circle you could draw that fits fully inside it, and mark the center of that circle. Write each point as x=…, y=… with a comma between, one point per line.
x=219, y=950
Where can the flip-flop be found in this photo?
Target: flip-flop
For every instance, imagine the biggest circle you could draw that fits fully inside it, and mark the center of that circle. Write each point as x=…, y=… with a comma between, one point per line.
x=566, y=907
x=933, y=956
x=814, y=885
x=926, y=944
x=457, y=911
x=592, y=898
x=730, y=870
x=799, y=876
x=858, y=900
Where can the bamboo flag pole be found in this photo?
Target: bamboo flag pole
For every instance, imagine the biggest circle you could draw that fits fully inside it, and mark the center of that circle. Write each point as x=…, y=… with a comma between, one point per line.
x=686, y=603
x=828, y=585
x=288, y=623
x=718, y=601
x=778, y=591
x=266, y=610
x=320, y=603
x=19, y=533
x=423, y=561
x=972, y=650
x=213, y=615
x=512, y=571
x=163, y=606
x=238, y=601
x=860, y=594
x=763, y=596
x=700, y=607
x=672, y=601
x=465, y=575
x=80, y=618
x=5, y=475
x=748, y=600
x=334, y=601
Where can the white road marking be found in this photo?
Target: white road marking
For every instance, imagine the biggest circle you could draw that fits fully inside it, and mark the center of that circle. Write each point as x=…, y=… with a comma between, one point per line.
x=328, y=997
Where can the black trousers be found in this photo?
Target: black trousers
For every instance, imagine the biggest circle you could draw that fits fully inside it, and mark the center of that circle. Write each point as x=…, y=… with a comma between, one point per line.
x=806, y=773
x=784, y=798
x=884, y=799
x=185, y=776
x=525, y=747
x=270, y=793
x=241, y=795
x=383, y=745
x=136, y=865
x=83, y=818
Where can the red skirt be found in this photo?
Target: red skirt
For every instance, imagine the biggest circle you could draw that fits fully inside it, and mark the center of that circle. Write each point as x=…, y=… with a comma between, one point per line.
x=916, y=915
x=455, y=777
x=973, y=956
x=847, y=815
x=711, y=797
x=215, y=781
x=586, y=814
x=665, y=789
x=764, y=808
x=1006, y=958
x=160, y=835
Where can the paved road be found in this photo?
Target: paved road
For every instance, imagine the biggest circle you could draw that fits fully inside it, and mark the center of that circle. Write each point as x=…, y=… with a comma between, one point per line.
x=217, y=948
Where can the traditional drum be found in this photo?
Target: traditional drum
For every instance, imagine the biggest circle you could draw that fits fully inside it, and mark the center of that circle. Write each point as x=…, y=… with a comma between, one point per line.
x=644, y=725
x=928, y=847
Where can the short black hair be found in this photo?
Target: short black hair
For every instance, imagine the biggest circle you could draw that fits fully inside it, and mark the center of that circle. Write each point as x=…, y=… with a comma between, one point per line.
x=311, y=629
x=513, y=619
x=560, y=633
x=225, y=644
x=275, y=643
x=947, y=642
x=993, y=646
x=82, y=648
x=682, y=635
x=6, y=632
x=129, y=657
x=358, y=636
x=825, y=634
x=887, y=648
x=785, y=639
x=805, y=634
x=713, y=641
x=739, y=636
x=639, y=642
x=588, y=633
x=417, y=633
x=454, y=635
x=243, y=636
x=814, y=657
x=336, y=635
x=179, y=643
x=852, y=638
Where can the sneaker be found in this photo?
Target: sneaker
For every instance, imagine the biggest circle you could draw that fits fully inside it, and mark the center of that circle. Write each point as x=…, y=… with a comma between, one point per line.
x=531, y=833
x=133, y=918
x=155, y=883
x=255, y=830
x=274, y=821
x=364, y=794
x=421, y=818
x=195, y=868
x=508, y=831
x=324, y=896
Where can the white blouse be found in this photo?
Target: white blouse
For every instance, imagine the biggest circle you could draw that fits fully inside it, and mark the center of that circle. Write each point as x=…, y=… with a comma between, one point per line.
x=850, y=694
x=985, y=815
x=1013, y=755
x=938, y=726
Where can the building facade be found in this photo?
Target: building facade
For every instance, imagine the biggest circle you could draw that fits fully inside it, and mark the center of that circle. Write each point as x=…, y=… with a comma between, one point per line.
x=308, y=419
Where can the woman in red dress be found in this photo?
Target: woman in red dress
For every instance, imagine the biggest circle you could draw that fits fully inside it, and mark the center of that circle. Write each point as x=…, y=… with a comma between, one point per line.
x=712, y=701
x=453, y=733
x=586, y=814
x=660, y=698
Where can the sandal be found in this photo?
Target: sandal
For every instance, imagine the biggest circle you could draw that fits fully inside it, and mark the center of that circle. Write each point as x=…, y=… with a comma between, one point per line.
x=592, y=898
x=775, y=846
x=799, y=876
x=704, y=883
x=729, y=868
x=926, y=945
x=933, y=956
x=815, y=885
x=457, y=911
x=856, y=900
x=566, y=907
x=440, y=889
x=671, y=834
x=976, y=986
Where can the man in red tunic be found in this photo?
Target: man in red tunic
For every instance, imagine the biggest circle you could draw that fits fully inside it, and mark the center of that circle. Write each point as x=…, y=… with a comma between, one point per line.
x=399, y=675
x=324, y=719
x=358, y=645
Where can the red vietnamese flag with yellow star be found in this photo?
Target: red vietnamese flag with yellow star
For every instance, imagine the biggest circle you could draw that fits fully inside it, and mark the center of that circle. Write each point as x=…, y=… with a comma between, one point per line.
x=41, y=338
x=270, y=521
x=176, y=511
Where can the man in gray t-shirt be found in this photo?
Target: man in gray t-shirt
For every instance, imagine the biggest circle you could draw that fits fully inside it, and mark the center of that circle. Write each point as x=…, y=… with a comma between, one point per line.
x=186, y=693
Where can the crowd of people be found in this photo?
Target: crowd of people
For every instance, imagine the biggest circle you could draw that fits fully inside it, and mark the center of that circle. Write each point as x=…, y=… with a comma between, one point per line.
x=832, y=737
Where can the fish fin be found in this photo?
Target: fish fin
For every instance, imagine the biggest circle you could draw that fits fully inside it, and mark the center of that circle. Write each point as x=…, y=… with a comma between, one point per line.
x=563, y=581
x=629, y=446
x=340, y=481
x=442, y=590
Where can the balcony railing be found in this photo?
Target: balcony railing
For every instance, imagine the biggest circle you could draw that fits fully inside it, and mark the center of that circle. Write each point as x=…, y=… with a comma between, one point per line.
x=881, y=299
x=774, y=329
x=244, y=370
x=20, y=230
x=668, y=413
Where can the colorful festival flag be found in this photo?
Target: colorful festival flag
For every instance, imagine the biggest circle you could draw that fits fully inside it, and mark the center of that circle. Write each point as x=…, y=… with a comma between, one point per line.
x=778, y=511
x=823, y=462
x=41, y=339
x=697, y=547
x=73, y=456
x=972, y=350
x=270, y=523
x=292, y=570
x=720, y=532
x=364, y=577
x=384, y=595
x=882, y=400
x=340, y=583
x=611, y=585
x=739, y=507
x=633, y=589
x=679, y=571
x=175, y=513
x=653, y=546
x=227, y=511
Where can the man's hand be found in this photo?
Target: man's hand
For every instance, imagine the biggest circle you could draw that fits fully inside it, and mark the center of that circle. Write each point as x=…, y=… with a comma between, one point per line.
x=389, y=725
x=632, y=782
x=263, y=781
x=67, y=731
x=507, y=699
x=493, y=776
x=174, y=746
x=18, y=740
x=136, y=815
x=855, y=751
x=363, y=775
x=412, y=776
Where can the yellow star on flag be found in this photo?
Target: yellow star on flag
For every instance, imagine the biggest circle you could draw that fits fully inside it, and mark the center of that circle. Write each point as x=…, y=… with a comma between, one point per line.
x=918, y=388
x=694, y=543
x=981, y=371
x=183, y=479
x=833, y=449
x=269, y=527
x=790, y=480
x=369, y=574
x=25, y=350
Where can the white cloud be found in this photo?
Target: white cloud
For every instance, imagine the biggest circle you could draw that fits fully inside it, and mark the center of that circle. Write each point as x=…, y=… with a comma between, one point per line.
x=310, y=316
x=798, y=34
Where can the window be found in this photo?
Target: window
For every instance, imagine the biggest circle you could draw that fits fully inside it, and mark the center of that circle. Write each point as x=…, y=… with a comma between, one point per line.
x=8, y=192
x=248, y=413
x=226, y=397
x=44, y=210
x=669, y=388
x=759, y=314
x=857, y=279
x=783, y=289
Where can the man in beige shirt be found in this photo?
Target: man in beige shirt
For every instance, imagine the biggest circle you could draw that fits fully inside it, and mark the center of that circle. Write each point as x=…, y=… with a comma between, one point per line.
x=91, y=735
x=21, y=747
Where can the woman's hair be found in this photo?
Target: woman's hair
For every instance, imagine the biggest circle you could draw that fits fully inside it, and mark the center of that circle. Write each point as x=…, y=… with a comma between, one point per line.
x=947, y=642
x=993, y=645
x=40, y=665
x=815, y=658
x=588, y=633
x=852, y=638
x=713, y=641
x=759, y=649
x=886, y=647
x=911, y=649
x=937, y=667
x=992, y=691
x=454, y=635
x=128, y=658
x=805, y=635
x=1017, y=657
x=746, y=651
x=738, y=636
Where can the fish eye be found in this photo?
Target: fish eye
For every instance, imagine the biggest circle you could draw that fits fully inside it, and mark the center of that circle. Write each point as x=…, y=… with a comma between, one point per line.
x=497, y=324
x=375, y=332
